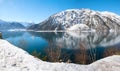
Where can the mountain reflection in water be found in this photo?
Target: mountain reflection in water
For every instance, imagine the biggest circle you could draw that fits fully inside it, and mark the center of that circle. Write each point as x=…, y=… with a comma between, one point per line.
x=80, y=48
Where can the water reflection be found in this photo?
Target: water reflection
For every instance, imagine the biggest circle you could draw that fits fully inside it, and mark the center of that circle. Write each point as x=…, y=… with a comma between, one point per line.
x=81, y=48
x=26, y=41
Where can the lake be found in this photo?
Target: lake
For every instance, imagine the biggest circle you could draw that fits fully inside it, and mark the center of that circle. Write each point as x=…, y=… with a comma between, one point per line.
x=70, y=47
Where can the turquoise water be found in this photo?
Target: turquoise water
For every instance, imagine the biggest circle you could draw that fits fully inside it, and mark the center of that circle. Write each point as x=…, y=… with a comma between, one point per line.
x=80, y=48
x=26, y=41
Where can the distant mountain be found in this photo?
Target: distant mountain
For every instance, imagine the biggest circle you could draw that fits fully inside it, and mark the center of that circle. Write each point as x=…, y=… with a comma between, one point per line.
x=89, y=19
x=10, y=25
x=26, y=24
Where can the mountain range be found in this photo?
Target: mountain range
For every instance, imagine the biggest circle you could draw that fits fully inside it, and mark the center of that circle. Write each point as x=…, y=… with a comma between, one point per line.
x=72, y=19
x=80, y=19
x=13, y=25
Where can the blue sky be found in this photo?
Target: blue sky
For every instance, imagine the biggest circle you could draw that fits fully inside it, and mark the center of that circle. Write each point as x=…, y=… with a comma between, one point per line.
x=39, y=10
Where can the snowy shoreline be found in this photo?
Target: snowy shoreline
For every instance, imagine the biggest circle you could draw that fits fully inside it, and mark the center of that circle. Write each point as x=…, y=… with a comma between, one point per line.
x=13, y=58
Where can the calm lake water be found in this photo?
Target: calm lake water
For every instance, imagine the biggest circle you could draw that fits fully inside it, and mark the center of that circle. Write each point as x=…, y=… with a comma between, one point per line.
x=80, y=48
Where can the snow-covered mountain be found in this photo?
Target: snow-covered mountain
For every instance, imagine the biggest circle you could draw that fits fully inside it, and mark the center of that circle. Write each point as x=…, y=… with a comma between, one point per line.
x=10, y=25
x=92, y=19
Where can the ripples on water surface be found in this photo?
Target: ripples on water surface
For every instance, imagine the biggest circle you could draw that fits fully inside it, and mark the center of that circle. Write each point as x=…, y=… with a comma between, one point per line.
x=80, y=48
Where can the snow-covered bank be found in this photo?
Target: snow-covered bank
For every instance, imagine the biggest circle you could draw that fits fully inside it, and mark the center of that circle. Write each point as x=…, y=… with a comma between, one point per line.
x=15, y=59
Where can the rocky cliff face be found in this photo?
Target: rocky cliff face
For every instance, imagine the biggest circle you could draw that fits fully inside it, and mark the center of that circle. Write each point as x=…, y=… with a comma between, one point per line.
x=93, y=19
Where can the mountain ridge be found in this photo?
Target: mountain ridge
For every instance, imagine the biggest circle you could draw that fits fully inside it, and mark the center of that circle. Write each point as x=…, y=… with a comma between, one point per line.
x=4, y=25
x=10, y=25
x=93, y=19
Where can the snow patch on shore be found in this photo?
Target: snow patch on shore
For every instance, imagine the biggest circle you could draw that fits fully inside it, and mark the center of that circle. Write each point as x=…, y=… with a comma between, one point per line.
x=79, y=27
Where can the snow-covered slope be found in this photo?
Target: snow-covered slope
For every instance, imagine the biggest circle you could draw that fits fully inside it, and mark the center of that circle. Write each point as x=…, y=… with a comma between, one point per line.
x=93, y=19
x=15, y=59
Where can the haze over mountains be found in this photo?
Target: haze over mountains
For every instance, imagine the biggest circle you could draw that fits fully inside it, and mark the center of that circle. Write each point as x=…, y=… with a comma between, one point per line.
x=84, y=18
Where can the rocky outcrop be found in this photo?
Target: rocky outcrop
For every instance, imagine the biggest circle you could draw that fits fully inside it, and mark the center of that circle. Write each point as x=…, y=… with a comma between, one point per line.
x=15, y=59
